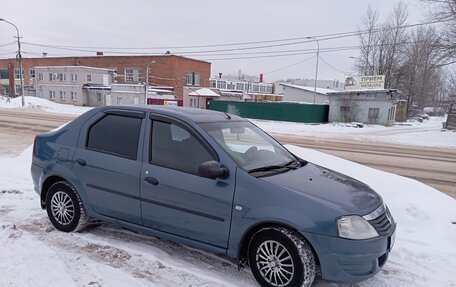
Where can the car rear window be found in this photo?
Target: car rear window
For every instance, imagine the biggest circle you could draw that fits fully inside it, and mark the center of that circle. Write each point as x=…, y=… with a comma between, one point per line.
x=117, y=135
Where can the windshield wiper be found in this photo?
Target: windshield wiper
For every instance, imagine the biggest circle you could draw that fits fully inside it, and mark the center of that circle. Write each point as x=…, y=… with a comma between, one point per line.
x=292, y=164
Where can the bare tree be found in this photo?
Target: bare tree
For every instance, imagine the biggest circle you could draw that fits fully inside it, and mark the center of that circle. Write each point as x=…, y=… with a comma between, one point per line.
x=445, y=11
x=368, y=42
x=422, y=79
x=382, y=46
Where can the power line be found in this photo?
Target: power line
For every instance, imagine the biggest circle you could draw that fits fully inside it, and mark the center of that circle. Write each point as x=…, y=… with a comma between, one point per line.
x=321, y=37
x=339, y=70
x=289, y=66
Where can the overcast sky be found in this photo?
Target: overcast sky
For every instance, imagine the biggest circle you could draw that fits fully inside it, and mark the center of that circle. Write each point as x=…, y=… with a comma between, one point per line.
x=169, y=24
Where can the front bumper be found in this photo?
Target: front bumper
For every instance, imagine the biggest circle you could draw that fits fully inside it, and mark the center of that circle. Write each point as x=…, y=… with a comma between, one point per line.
x=350, y=261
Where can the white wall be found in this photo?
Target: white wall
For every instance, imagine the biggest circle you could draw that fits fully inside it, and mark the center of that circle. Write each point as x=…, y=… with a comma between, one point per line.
x=297, y=95
x=359, y=111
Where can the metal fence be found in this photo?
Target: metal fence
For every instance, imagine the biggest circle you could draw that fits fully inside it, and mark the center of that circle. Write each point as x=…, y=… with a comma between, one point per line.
x=291, y=112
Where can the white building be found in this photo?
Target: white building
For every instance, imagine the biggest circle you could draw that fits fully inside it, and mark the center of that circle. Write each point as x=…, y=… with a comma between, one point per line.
x=76, y=85
x=295, y=93
x=241, y=86
x=364, y=106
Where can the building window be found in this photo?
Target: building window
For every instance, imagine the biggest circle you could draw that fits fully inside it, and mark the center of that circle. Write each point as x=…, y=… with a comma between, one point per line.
x=213, y=84
x=32, y=73
x=262, y=89
x=256, y=88
x=52, y=95
x=197, y=80
x=344, y=109
x=193, y=102
x=221, y=84
x=62, y=95
x=99, y=97
x=74, y=77
x=40, y=77
x=89, y=78
x=74, y=95
x=17, y=74
x=230, y=86
x=131, y=75
x=240, y=86
x=269, y=89
x=189, y=79
x=61, y=77
x=192, y=79
x=373, y=115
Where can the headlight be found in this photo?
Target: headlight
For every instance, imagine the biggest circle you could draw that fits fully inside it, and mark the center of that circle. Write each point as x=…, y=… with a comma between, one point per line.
x=355, y=227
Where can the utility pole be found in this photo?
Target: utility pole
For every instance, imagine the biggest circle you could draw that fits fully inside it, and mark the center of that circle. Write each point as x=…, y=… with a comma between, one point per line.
x=316, y=69
x=147, y=77
x=18, y=58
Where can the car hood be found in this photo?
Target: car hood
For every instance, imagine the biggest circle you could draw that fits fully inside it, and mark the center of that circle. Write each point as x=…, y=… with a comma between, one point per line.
x=341, y=192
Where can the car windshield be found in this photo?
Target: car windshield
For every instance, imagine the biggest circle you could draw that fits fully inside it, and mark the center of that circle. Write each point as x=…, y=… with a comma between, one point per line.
x=251, y=148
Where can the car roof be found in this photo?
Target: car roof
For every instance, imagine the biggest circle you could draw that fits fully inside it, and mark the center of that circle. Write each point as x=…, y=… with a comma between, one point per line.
x=183, y=113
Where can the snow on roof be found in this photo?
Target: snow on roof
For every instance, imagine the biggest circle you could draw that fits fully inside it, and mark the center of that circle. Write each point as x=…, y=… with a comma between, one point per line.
x=366, y=91
x=309, y=89
x=73, y=67
x=204, y=92
x=160, y=91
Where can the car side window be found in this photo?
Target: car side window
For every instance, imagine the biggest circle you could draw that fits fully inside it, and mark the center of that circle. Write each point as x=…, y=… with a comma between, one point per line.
x=177, y=148
x=115, y=134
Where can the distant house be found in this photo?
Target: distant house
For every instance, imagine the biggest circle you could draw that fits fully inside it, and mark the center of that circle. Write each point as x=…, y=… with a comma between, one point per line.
x=126, y=94
x=365, y=106
x=77, y=85
x=295, y=93
x=199, y=98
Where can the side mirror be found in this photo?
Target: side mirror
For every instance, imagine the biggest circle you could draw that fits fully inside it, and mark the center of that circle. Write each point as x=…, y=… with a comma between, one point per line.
x=212, y=169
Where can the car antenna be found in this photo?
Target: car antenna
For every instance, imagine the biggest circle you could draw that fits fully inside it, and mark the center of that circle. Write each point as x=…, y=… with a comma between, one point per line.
x=228, y=116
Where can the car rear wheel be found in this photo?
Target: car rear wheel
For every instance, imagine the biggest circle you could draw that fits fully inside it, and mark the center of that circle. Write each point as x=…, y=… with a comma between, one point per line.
x=64, y=208
x=281, y=258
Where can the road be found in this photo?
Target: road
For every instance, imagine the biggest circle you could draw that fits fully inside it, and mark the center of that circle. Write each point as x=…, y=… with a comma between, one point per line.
x=433, y=166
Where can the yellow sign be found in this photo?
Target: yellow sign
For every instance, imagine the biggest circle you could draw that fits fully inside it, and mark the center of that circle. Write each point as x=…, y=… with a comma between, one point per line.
x=365, y=82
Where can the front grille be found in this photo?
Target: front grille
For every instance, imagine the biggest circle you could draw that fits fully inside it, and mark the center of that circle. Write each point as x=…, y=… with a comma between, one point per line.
x=382, y=223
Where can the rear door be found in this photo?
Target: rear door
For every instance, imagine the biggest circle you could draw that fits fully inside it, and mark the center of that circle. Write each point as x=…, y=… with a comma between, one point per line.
x=108, y=163
x=174, y=198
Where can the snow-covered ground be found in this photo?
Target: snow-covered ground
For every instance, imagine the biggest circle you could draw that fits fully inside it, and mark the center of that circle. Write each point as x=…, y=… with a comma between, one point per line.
x=428, y=133
x=32, y=252
x=42, y=104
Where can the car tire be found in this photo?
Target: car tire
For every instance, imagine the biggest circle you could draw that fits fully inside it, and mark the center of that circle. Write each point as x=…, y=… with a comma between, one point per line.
x=65, y=208
x=280, y=257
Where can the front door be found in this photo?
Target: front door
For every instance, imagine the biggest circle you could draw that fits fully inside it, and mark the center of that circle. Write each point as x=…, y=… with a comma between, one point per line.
x=174, y=199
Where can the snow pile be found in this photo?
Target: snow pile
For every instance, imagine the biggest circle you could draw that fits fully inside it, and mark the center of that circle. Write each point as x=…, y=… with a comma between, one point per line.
x=425, y=249
x=39, y=103
x=428, y=133
x=32, y=252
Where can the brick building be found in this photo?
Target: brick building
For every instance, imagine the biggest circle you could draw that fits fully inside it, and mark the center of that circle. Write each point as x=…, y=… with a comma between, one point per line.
x=164, y=70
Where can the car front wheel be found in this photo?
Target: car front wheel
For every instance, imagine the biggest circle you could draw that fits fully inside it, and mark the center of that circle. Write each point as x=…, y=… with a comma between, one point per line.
x=65, y=208
x=281, y=258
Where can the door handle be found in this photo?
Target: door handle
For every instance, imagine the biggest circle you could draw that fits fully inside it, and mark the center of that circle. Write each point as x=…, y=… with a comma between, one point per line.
x=81, y=162
x=151, y=180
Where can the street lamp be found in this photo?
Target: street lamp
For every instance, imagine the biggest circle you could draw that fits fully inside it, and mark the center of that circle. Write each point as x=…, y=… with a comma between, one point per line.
x=18, y=57
x=316, y=68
